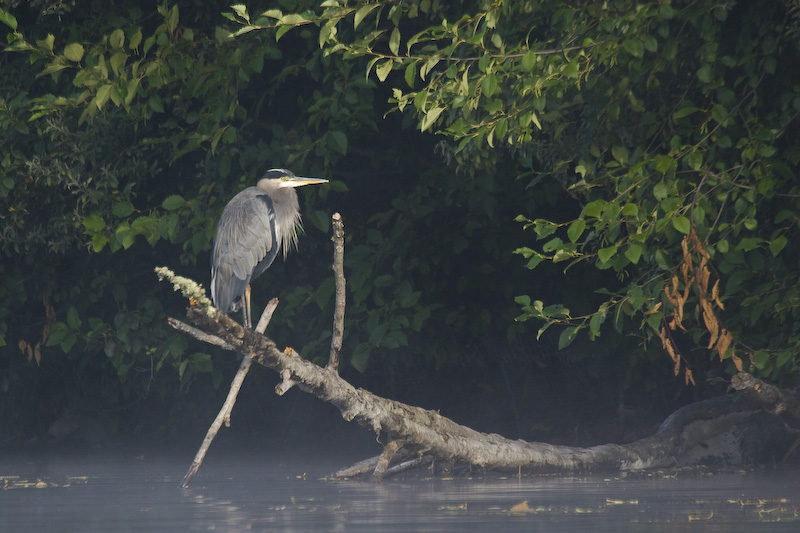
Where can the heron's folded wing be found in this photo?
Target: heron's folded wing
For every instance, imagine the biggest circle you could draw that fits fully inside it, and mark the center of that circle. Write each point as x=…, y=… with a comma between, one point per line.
x=245, y=241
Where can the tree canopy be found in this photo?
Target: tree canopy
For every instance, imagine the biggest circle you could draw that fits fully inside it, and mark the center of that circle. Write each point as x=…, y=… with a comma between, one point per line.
x=649, y=148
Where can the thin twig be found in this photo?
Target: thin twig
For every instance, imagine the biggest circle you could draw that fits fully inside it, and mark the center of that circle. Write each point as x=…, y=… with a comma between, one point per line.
x=224, y=415
x=199, y=335
x=338, y=273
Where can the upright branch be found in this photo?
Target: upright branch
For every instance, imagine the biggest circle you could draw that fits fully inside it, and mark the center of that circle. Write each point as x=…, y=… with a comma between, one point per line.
x=338, y=273
x=224, y=415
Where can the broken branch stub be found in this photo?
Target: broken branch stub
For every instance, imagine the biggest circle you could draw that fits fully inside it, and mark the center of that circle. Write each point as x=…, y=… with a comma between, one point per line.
x=338, y=273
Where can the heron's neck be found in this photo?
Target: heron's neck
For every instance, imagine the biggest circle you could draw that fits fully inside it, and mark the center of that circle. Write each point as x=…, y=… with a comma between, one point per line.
x=287, y=219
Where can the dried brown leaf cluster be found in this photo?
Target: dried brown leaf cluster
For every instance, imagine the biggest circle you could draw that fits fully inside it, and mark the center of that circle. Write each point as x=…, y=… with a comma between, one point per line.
x=687, y=276
x=34, y=351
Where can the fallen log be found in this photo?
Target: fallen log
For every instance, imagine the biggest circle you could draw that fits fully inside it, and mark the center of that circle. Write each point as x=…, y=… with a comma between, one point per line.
x=711, y=431
x=721, y=431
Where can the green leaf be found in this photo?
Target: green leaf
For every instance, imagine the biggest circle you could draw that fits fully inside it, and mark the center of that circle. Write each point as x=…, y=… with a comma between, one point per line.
x=173, y=202
x=94, y=223
x=705, y=74
x=241, y=11
x=135, y=40
x=117, y=39
x=339, y=141
x=761, y=359
x=102, y=96
x=634, y=252
x=46, y=44
x=57, y=333
x=282, y=31
x=663, y=163
x=8, y=19
x=125, y=236
x=749, y=243
x=660, y=190
x=430, y=117
x=73, y=320
x=362, y=12
x=719, y=113
x=117, y=61
x=778, y=244
x=694, y=159
x=594, y=208
x=620, y=153
x=604, y=254
x=567, y=336
x=74, y=52
x=143, y=225
x=489, y=85
x=545, y=228
x=383, y=70
x=68, y=342
x=523, y=299
x=155, y=104
x=682, y=224
x=634, y=47
x=394, y=41
x=685, y=111
x=122, y=209
x=596, y=321
x=410, y=73
x=630, y=210
x=576, y=229
x=276, y=14
x=529, y=61
x=99, y=241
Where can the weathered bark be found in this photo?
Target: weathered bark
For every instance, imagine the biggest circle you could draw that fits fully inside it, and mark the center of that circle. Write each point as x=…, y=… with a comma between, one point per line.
x=774, y=400
x=714, y=431
x=338, y=276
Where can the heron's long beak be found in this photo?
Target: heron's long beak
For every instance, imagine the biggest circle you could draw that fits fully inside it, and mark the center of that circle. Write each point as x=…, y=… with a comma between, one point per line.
x=299, y=181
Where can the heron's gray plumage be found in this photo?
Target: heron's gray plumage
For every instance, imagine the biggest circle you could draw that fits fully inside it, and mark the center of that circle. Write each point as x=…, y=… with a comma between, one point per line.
x=255, y=225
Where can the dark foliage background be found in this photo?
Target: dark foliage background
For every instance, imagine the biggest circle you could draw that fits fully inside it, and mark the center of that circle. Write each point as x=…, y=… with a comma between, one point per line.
x=606, y=145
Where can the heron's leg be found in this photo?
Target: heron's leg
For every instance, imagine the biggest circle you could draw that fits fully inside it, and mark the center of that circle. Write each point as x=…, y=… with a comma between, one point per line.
x=248, y=320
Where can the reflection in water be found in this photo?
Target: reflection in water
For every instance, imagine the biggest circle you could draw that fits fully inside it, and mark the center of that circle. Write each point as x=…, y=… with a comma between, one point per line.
x=246, y=493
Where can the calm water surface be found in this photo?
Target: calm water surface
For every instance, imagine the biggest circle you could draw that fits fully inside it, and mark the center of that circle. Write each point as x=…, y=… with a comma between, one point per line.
x=249, y=492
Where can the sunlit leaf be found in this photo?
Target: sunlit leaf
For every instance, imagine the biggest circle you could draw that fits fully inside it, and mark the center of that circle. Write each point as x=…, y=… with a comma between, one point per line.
x=122, y=209
x=682, y=224
x=604, y=254
x=576, y=229
x=173, y=202
x=567, y=336
x=394, y=41
x=383, y=70
x=74, y=52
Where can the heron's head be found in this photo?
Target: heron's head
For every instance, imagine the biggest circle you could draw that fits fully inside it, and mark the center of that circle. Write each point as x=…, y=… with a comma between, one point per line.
x=285, y=178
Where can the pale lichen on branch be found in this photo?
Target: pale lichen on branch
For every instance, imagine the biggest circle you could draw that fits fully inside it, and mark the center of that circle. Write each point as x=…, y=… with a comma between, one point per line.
x=188, y=288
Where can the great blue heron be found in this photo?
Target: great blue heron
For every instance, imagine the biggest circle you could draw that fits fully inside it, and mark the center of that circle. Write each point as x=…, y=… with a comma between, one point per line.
x=254, y=225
